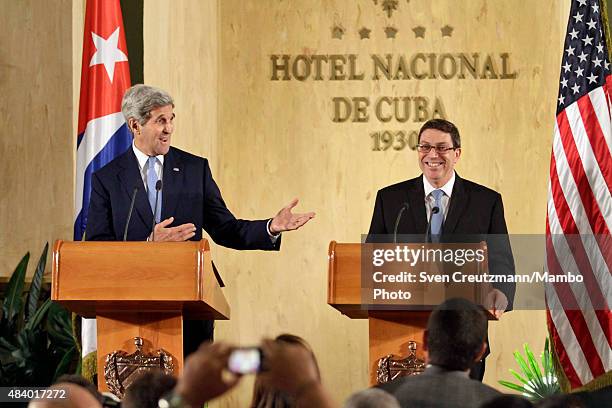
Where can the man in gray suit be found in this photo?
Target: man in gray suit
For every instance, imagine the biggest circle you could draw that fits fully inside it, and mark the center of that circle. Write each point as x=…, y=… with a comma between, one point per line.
x=455, y=338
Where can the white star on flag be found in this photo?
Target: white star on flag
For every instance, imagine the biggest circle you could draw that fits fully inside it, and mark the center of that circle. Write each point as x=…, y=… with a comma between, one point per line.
x=597, y=62
x=107, y=52
x=592, y=78
x=578, y=17
x=570, y=51
x=575, y=88
x=592, y=24
x=564, y=83
x=574, y=34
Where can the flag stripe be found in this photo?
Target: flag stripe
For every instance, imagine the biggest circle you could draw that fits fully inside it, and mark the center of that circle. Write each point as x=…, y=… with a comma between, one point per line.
x=563, y=356
x=576, y=166
x=569, y=209
x=593, y=111
x=572, y=297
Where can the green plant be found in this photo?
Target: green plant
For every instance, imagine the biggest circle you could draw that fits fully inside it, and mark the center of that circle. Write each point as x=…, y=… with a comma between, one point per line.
x=535, y=383
x=36, y=342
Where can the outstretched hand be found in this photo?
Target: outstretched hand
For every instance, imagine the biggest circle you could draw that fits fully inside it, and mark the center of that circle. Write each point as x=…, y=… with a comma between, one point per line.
x=179, y=233
x=285, y=220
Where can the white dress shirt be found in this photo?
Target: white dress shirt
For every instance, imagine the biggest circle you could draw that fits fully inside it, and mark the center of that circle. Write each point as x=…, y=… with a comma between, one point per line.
x=143, y=165
x=430, y=202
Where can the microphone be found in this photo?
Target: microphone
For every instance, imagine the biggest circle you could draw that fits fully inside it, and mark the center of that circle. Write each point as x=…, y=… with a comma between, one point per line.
x=158, y=187
x=405, y=206
x=434, y=210
x=129, y=217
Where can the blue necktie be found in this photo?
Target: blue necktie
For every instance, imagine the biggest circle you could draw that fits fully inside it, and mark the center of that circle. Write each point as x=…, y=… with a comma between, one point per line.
x=151, y=192
x=437, y=219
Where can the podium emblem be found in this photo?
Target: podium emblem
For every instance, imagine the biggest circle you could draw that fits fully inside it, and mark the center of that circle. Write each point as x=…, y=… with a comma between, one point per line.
x=389, y=368
x=121, y=368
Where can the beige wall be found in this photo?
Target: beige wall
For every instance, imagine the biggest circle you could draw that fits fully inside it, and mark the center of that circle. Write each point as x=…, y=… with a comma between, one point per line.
x=271, y=141
x=277, y=141
x=37, y=145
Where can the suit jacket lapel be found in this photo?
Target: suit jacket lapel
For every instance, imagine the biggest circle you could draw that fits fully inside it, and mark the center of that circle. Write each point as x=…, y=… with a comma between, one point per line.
x=458, y=203
x=416, y=199
x=130, y=177
x=173, y=182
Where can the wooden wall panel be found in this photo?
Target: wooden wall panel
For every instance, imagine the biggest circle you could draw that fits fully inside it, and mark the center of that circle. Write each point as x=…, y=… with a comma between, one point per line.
x=37, y=146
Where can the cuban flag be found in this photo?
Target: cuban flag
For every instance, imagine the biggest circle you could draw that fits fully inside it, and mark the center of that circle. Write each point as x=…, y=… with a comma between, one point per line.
x=103, y=133
x=105, y=76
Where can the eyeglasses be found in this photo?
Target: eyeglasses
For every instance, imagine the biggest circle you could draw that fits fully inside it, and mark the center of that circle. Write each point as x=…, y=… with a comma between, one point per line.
x=425, y=148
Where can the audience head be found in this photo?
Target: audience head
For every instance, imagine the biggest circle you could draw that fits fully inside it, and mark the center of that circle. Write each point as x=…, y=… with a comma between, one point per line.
x=147, y=389
x=561, y=401
x=508, y=401
x=371, y=398
x=76, y=397
x=291, y=364
x=456, y=334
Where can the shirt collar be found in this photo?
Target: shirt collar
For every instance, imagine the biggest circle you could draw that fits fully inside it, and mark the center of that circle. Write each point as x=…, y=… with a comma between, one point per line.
x=447, y=188
x=142, y=158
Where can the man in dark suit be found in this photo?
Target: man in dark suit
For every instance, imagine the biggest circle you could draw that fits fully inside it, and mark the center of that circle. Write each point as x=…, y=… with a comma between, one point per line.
x=455, y=338
x=175, y=194
x=466, y=211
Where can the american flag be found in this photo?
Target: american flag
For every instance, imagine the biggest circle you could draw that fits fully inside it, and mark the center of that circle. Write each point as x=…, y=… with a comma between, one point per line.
x=579, y=217
x=102, y=131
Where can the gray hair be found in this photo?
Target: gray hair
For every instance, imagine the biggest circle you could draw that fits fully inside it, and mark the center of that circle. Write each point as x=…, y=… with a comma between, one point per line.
x=139, y=100
x=371, y=398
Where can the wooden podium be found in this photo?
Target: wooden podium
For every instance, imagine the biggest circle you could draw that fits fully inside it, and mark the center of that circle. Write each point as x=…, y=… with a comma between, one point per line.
x=389, y=330
x=142, y=289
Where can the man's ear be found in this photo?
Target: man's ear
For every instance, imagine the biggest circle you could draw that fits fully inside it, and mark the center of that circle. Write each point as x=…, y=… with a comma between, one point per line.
x=482, y=351
x=133, y=125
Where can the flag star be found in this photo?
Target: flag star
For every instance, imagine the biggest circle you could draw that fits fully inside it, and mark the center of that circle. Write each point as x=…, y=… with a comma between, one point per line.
x=607, y=65
x=574, y=34
x=582, y=2
x=576, y=88
x=578, y=72
x=578, y=17
x=567, y=67
x=561, y=100
x=570, y=50
x=597, y=62
x=107, y=52
x=595, y=8
x=591, y=24
x=599, y=48
x=564, y=83
x=582, y=56
x=587, y=41
x=592, y=78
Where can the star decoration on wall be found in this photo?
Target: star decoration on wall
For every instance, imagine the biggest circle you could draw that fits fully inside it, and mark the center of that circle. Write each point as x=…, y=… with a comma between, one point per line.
x=364, y=33
x=337, y=32
x=390, y=31
x=419, y=32
x=447, y=31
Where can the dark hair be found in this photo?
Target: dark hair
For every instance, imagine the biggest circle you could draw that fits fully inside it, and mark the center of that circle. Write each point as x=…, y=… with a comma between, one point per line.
x=266, y=397
x=561, y=401
x=443, y=126
x=508, y=401
x=147, y=389
x=81, y=382
x=456, y=331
